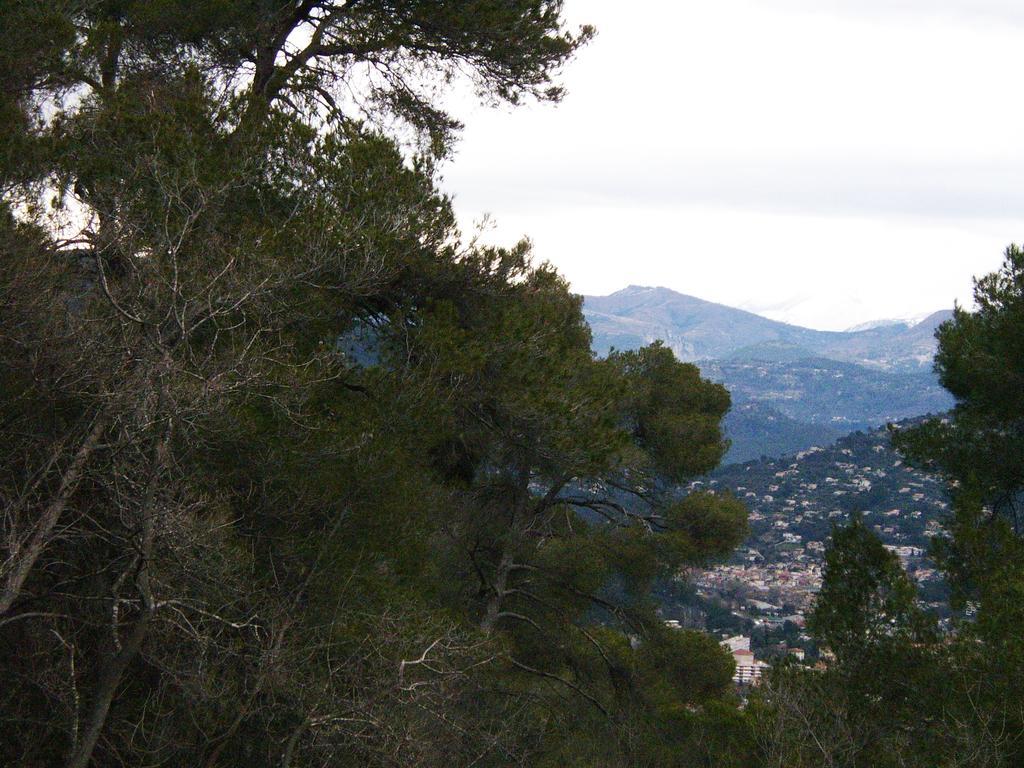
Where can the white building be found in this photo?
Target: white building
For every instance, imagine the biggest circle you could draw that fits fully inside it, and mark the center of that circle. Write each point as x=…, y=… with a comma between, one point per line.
x=748, y=669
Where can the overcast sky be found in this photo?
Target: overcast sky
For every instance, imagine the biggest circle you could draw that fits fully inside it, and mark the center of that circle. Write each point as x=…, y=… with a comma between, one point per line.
x=823, y=162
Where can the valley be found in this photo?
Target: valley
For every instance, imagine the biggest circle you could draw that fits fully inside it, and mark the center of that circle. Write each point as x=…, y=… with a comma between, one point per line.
x=809, y=447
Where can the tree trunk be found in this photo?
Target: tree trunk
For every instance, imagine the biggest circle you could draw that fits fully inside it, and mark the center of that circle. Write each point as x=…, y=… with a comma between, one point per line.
x=109, y=679
x=112, y=673
x=499, y=588
x=293, y=742
x=24, y=558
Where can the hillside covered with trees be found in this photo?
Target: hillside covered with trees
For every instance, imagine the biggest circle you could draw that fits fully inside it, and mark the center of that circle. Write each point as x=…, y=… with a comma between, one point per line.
x=295, y=473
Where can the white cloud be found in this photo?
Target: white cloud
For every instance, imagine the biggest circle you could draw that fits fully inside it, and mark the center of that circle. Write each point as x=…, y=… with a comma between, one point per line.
x=864, y=153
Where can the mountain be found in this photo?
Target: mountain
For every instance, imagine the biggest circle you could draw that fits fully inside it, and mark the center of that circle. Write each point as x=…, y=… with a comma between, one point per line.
x=830, y=393
x=787, y=406
x=792, y=387
x=696, y=329
x=757, y=429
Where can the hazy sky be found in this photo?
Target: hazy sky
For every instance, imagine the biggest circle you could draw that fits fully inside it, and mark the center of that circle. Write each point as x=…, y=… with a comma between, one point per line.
x=824, y=162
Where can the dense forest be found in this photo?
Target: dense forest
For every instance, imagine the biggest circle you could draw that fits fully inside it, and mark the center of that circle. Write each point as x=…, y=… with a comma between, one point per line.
x=295, y=473
x=291, y=469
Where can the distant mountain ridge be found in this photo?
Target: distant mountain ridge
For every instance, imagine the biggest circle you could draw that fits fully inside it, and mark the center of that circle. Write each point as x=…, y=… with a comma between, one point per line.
x=871, y=325
x=791, y=387
x=696, y=329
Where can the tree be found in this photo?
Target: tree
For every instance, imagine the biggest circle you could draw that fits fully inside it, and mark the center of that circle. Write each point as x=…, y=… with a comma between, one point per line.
x=213, y=237
x=901, y=694
x=320, y=60
x=292, y=474
x=866, y=597
x=563, y=469
x=979, y=448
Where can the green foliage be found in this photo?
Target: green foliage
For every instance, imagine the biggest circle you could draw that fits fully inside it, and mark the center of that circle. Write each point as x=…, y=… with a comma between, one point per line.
x=705, y=526
x=292, y=474
x=980, y=448
x=898, y=694
x=866, y=598
x=675, y=414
